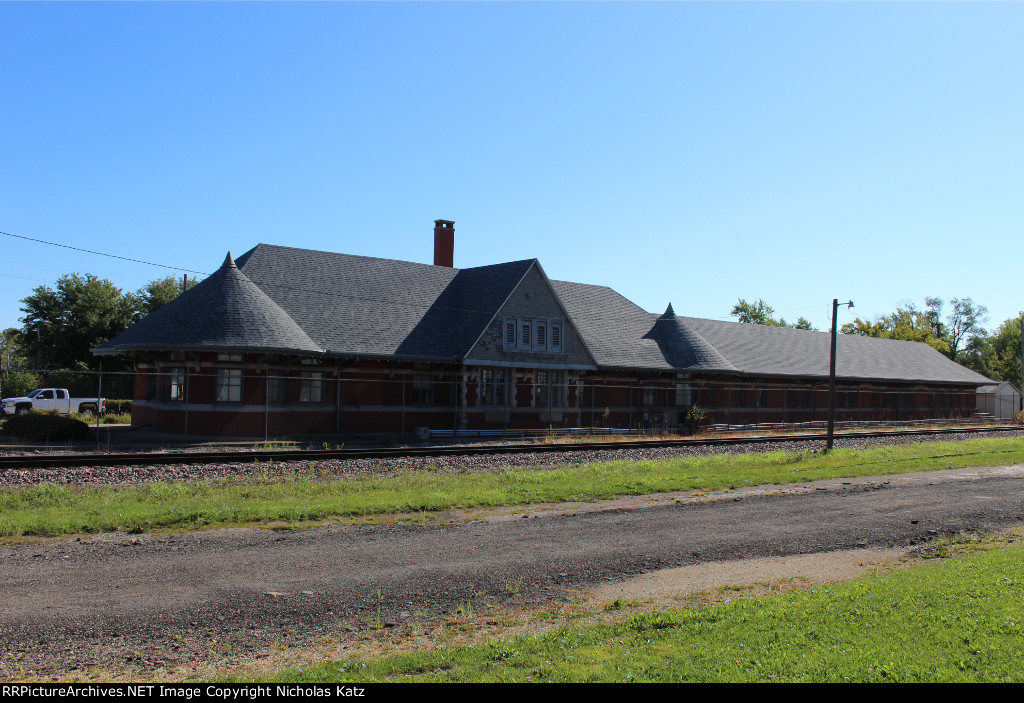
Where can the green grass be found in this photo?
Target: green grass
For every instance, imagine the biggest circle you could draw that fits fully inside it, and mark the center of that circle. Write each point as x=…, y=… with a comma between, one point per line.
x=957, y=620
x=304, y=497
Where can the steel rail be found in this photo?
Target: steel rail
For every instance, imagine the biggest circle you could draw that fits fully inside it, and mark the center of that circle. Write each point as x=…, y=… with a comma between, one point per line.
x=244, y=457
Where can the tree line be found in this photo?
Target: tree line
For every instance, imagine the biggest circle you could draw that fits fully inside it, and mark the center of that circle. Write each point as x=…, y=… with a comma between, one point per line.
x=956, y=331
x=61, y=325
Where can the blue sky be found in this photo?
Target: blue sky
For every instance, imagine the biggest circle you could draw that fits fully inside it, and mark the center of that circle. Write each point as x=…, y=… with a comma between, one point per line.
x=687, y=152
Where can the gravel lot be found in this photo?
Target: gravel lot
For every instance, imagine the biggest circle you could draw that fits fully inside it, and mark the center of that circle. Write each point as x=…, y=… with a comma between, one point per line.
x=327, y=469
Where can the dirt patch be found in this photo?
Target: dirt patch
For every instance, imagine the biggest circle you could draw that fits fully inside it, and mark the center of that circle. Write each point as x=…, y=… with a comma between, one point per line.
x=767, y=575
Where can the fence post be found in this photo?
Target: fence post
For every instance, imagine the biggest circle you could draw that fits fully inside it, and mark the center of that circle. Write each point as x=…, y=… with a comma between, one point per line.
x=99, y=396
x=187, y=394
x=629, y=402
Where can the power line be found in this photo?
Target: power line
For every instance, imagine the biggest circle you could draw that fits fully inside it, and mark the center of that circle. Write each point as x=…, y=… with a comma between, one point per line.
x=100, y=253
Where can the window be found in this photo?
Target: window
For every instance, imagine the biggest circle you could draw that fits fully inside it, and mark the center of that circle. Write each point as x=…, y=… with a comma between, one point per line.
x=151, y=386
x=686, y=395
x=311, y=388
x=422, y=390
x=556, y=337
x=233, y=358
x=648, y=395
x=762, y=397
x=525, y=335
x=549, y=389
x=493, y=388
x=229, y=386
x=741, y=398
x=275, y=390
x=803, y=399
x=558, y=389
x=175, y=384
x=510, y=334
x=540, y=330
x=541, y=389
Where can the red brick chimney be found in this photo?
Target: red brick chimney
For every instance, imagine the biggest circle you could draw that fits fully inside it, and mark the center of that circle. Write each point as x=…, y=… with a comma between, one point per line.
x=444, y=243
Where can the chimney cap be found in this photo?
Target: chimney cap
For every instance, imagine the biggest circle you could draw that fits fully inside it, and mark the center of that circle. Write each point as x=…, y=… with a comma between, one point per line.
x=444, y=222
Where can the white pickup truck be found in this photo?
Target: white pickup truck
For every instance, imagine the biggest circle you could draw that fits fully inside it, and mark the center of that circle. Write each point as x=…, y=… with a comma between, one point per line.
x=52, y=399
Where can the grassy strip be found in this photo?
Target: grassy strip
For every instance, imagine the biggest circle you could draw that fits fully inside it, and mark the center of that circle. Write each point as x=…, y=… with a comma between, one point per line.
x=956, y=620
x=50, y=510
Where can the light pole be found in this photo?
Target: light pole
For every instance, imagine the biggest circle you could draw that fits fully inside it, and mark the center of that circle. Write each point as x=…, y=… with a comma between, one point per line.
x=832, y=376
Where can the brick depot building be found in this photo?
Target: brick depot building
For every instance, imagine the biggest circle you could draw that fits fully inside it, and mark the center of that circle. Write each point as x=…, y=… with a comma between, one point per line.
x=288, y=341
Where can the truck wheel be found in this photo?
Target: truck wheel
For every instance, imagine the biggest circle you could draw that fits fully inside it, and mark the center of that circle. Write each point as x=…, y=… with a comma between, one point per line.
x=21, y=410
x=87, y=409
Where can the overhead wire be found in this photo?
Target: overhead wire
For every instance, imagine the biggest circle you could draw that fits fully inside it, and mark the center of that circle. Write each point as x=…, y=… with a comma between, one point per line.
x=100, y=253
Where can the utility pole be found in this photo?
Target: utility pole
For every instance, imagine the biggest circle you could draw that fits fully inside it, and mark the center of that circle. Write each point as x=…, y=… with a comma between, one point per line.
x=832, y=376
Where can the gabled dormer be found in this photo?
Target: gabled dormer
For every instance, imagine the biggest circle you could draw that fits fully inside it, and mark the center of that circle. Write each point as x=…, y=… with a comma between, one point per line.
x=532, y=329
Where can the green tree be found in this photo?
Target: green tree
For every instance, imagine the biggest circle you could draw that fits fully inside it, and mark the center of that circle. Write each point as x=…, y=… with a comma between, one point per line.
x=14, y=380
x=955, y=335
x=62, y=325
x=906, y=323
x=1005, y=357
x=756, y=313
x=963, y=324
x=934, y=314
x=155, y=294
x=760, y=313
x=12, y=348
x=864, y=328
x=17, y=382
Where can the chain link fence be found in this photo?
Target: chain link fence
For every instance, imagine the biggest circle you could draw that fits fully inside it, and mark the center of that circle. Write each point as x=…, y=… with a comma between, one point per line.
x=330, y=407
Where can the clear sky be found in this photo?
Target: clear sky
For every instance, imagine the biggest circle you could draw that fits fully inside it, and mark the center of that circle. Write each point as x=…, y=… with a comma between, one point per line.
x=687, y=152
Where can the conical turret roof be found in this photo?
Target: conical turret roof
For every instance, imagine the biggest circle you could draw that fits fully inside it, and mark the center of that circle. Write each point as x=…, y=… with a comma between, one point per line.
x=226, y=311
x=683, y=347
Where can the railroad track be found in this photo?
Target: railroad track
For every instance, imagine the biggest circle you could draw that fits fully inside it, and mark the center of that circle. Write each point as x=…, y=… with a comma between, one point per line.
x=164, y=458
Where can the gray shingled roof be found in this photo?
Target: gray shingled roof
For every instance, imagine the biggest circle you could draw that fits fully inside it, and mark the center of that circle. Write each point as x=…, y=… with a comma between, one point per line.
x=623, y=335
x=226, y=311
x=363, y=306
x=296, y=300
x=996, y=387
x=782, y=351
x=683, y=348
